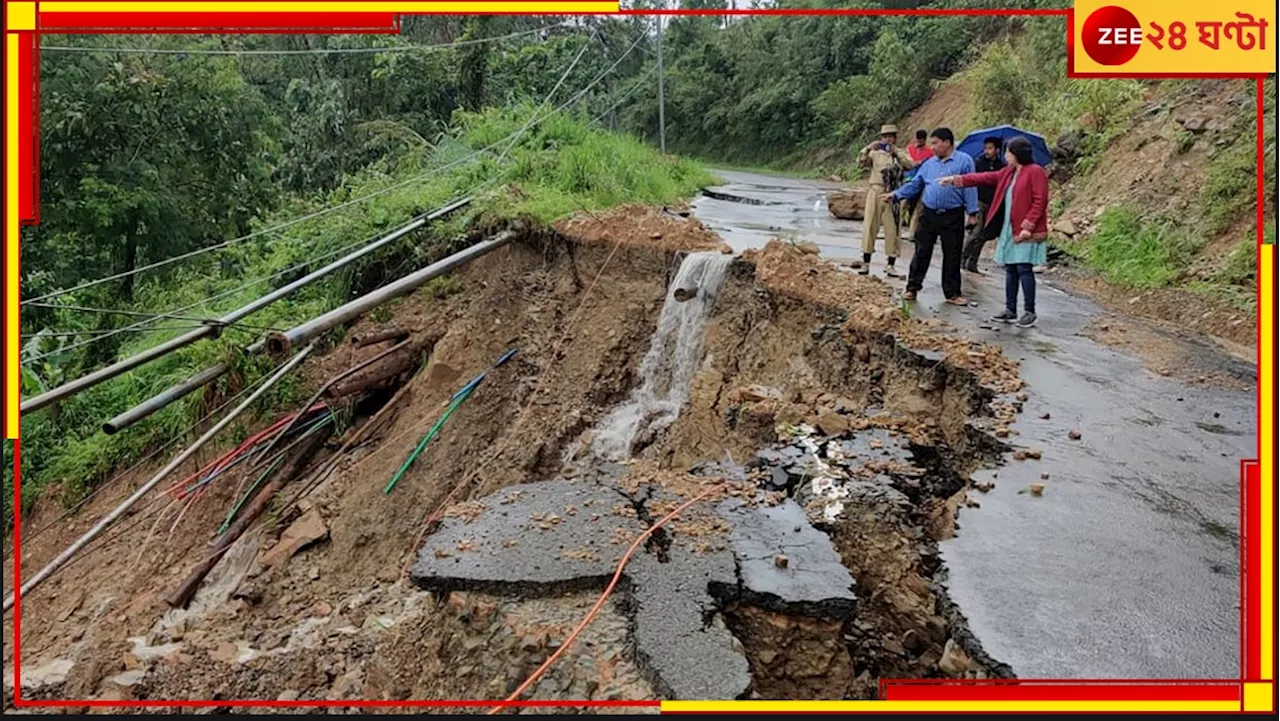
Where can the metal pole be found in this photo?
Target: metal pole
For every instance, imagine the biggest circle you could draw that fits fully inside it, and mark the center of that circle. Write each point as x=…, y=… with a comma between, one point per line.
x=214, y=327
x=662, y=91
x=279, y=343
x=145, y=488
x=164, y=398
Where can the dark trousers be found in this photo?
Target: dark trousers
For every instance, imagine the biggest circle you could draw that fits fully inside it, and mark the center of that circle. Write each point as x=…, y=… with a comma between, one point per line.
x=948, y=227
x=1016, y=274
x=975, y=238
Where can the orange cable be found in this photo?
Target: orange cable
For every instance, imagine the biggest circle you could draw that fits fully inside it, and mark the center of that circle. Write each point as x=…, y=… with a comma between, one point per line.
x=604, y=596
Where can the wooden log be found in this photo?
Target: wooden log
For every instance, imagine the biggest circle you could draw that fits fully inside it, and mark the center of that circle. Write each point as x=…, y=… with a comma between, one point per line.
x=182, y=595
x=379, y=336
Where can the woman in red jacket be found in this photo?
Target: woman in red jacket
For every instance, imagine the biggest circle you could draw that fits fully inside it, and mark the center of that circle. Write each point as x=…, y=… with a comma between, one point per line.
x=1022, y=187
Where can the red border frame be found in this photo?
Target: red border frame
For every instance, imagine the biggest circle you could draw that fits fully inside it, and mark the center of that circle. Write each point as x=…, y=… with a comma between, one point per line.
x=1022, y=689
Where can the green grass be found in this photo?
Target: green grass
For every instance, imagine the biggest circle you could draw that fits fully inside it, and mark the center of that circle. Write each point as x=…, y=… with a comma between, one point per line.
x=1135, y=253
x=559, y=167
x=1230, y=188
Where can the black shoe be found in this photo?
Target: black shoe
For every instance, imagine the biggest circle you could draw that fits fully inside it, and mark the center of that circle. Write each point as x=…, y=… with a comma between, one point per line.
x=1005, y=316
x=972, y=268
x=864, y=270
x=1027, y=320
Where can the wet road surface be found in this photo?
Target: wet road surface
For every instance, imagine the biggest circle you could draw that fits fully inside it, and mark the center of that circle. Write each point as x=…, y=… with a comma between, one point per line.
x=1129, y=565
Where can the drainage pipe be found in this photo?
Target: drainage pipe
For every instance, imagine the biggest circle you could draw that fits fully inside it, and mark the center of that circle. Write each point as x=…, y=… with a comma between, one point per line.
x=163, y=473
x=213, y=328
x=164, y=398
x=280, y=342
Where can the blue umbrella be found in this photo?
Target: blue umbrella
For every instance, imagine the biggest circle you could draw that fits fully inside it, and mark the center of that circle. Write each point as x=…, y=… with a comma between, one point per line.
x=972, y=143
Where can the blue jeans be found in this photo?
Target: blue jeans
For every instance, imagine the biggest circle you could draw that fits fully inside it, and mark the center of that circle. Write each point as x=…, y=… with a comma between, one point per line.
x=1015, y=274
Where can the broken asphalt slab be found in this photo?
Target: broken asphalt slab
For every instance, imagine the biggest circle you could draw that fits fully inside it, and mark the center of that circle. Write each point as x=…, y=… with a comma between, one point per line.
x=525, y=540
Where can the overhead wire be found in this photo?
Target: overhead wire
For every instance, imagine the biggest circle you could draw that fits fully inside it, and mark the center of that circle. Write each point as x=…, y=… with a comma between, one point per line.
x=534, y=120
x=257, y=233
x=306, y=51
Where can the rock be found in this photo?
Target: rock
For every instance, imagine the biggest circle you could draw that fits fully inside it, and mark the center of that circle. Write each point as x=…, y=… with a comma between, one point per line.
x=848, y=204
x=314, y=573
x=1045, y=416
x=1019, y=455
x=1036, y=489
x=1073, y=435
x=954, y=661
x=308, y=529
x=321, y=609
x=726, y=249
x=1066, y=227
x=831, y=423
x=1044, y=476
x=835, y=178
x=655, y=236
x=226, y=652
x=808, y=247
x=862, y=352
x=1070, y=143
x=1002, y=432
x=1022, y=397
x=683, y=294
x=1034, y=453
x=984, y=487
x=288, y=695
x=754, y=394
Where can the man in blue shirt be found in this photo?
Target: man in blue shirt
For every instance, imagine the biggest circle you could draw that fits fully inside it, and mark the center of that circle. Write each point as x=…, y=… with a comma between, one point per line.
x=942, y=215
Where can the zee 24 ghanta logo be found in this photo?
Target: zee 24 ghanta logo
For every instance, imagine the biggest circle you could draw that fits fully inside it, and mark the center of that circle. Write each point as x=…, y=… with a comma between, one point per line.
x=1113, y=36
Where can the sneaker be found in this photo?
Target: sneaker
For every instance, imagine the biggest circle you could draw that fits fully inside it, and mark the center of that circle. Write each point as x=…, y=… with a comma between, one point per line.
x=891, y=272
x=1027, y=320
x=1005, y=316
x=909, y=295
x=864, y=270
x=958, y=300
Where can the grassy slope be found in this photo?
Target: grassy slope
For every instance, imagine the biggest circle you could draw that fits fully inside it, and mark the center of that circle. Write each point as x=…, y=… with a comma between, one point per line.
x=559, y=167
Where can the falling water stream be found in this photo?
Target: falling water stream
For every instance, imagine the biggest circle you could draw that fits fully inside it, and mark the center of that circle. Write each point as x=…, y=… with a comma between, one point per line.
x=669, y=366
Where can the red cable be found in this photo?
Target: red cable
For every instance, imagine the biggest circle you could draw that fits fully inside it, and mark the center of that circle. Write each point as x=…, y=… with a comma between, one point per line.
x=604, y=596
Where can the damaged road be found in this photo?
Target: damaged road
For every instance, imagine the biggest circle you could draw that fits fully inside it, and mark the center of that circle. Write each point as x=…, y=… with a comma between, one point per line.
x=1127, y=565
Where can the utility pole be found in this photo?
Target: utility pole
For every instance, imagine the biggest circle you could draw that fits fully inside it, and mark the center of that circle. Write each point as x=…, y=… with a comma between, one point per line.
x=662, y=87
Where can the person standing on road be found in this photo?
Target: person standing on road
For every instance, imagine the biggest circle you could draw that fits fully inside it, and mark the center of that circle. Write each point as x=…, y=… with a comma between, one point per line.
x=990, y=161
x=888, y=164
x=942, y=215
x=1023, y=188
x=919, y=152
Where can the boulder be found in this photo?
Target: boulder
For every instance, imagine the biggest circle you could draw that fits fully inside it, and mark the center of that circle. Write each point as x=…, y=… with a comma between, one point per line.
x=848, y=204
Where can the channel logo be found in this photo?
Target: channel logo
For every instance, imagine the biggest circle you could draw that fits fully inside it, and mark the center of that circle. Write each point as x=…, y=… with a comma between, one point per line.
x=1163, y=38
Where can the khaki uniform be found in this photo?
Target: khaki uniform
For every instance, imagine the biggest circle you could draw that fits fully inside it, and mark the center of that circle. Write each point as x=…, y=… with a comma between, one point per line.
x=879, y=213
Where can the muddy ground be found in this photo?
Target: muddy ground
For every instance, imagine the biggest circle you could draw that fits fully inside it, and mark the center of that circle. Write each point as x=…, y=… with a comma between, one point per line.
x=317, y=603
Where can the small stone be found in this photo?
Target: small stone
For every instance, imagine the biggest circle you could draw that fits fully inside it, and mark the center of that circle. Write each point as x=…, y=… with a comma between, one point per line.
x=1044, y=416
x=1019, y=455
x=1044, y=476
x=954, y=661
x=321, y=609
x=655, y=236
x=314, y=574
x=683, y=294
x=1035, y=453
x=1022, y=397
x=1073, y=435
x=808, y=247
x=1036, y=489
x=288, y=695
x=1002, y=432
x=780, y=561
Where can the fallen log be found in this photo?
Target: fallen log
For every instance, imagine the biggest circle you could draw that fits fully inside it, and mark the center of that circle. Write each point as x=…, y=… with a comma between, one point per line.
x=182, y=596
x=379, y=375
x=378, y=336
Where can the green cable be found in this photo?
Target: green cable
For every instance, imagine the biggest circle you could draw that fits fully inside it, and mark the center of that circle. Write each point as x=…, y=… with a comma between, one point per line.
x=435, y=429
x=266, y=474
x=240, y=504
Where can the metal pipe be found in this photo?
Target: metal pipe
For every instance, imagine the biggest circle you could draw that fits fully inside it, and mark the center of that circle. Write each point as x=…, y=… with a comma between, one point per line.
x=145, y=488
x=279, y=343
x=214, y=327
x=164, y=398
